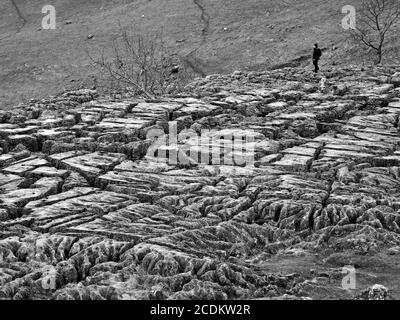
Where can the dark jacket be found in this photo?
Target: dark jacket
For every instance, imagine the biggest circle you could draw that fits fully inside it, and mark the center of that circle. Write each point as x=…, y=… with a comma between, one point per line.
x=317, y=53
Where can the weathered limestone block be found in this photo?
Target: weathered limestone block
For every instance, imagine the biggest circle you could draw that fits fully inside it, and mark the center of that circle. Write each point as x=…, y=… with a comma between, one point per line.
x=74, y=180
x=88, y=165
x=116, y=136
x=52, y=134
x=337, y=153
x=9, y=158
x=311, y=150
x=292, y=95
x=136, y=222
x=155, y=111
x=7, y=130
x=76, y=206
x=40, y=189
x=305, y=128
x=197, y=110
x=23, y=167
x=277, y=106
x=10, y=182
x=131, y=123
x=55, y=147
x=393, y=106
x=270, y=130
x=136, y=181
x=45, y=171
x=29, y=141
x=295, y=162
x=137, y=150
x=107, y=107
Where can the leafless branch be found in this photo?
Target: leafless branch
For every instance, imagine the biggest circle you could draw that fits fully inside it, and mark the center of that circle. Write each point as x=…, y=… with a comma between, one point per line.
x=375, y=22
x=140, y=62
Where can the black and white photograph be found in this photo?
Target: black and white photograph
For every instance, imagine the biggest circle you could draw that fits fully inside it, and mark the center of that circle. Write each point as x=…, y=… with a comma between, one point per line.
x=199, y=157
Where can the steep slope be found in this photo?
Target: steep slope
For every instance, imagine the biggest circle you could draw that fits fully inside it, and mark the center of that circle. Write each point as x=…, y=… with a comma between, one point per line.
x=217, y=36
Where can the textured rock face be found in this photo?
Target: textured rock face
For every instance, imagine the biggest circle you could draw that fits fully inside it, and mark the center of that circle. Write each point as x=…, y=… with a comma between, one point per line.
x=95, y=205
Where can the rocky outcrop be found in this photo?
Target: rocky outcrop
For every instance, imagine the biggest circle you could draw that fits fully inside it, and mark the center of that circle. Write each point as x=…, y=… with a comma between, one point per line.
x=95, y=204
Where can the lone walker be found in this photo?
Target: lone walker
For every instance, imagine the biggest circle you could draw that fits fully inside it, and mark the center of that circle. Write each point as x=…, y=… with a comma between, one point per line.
x=316, y=56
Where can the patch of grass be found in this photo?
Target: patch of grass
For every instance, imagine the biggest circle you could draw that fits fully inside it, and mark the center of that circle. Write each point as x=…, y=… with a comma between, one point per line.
x=236, y=34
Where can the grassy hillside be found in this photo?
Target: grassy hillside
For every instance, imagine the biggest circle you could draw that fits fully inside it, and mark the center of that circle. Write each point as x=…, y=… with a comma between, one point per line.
x=218, y=36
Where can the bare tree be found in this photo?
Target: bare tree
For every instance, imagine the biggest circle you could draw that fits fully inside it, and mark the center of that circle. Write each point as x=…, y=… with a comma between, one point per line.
x=375, y=23
x=141, y=63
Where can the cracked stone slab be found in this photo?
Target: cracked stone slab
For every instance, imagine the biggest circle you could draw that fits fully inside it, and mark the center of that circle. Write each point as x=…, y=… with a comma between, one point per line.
x=83, y=193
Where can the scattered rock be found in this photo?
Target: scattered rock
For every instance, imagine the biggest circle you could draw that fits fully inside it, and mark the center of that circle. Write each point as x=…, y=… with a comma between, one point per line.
x=376, y=292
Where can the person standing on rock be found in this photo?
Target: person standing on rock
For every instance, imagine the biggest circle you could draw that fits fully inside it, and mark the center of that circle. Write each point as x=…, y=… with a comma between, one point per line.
x=316, y=56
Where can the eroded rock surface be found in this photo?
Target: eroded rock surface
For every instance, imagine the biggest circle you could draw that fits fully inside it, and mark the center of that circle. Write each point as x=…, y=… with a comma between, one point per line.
x=92, y=206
